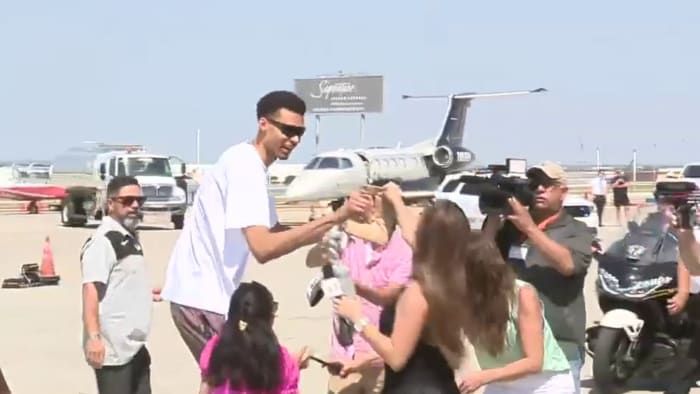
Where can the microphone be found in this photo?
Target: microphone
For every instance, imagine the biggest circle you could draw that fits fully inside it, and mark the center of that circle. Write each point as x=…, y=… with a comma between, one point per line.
x=337, y=282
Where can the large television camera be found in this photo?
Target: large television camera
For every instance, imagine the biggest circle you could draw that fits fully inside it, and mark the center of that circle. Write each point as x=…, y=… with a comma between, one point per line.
x=685, y=198
x=505, y=181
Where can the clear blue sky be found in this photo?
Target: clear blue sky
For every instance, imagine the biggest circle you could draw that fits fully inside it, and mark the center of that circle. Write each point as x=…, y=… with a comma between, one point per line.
x=152, y=72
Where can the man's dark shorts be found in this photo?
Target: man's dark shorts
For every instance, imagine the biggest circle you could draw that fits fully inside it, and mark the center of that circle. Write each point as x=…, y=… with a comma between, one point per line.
x=196, y=326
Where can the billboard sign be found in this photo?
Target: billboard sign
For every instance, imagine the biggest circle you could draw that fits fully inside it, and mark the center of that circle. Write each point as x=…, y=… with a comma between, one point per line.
x=353, y=94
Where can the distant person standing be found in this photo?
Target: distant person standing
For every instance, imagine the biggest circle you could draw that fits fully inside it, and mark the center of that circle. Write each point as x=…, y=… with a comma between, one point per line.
x=620, y=183
x=117, y=295
x=599, y=190
x=233, y=215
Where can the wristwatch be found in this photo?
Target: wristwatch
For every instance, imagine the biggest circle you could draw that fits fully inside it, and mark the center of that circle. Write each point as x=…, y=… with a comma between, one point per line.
x=360, y=324
x=95, y=335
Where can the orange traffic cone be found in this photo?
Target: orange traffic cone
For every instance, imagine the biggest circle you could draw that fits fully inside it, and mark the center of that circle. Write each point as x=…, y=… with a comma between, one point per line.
x=47, y=267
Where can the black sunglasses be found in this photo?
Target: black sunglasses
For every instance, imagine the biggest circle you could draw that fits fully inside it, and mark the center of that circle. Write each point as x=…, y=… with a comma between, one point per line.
x=535, y=182
x=287, y=129
x=129, y=200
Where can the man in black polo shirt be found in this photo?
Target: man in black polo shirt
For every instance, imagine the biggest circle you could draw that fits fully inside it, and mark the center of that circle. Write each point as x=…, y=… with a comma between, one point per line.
x=551, y=250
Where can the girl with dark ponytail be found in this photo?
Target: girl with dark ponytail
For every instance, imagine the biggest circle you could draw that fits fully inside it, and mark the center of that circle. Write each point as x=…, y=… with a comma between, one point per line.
x=245, y=357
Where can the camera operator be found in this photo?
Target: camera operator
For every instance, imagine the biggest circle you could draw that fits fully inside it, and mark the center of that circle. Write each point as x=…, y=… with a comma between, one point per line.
x=551, y=250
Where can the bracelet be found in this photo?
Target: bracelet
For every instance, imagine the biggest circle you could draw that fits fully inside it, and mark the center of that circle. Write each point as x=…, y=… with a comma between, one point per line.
x=360, y=324
x=95, y=335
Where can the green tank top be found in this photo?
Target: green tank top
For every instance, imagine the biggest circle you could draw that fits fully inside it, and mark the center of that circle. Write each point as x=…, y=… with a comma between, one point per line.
x=554, y=358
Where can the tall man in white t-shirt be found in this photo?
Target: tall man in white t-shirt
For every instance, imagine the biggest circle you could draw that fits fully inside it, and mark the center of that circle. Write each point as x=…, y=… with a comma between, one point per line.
x=234, y=215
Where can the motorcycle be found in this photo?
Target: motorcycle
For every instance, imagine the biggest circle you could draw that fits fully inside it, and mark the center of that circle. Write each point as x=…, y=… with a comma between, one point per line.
x=637, y=335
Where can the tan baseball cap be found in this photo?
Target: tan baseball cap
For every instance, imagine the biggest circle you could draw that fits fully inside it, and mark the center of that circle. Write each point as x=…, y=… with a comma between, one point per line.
x=551, y=169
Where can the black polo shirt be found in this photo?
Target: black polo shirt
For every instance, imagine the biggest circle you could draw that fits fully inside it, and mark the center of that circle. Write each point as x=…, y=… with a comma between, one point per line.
x=562, y=296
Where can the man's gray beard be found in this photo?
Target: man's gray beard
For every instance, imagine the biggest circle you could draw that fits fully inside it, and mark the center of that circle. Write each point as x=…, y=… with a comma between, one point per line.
x=130, y=223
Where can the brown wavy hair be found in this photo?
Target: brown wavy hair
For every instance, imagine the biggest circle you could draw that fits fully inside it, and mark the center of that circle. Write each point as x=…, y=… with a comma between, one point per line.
x=490, y=294
x=466, y=283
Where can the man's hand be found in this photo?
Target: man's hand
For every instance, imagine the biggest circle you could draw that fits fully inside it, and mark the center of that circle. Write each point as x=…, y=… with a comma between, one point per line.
x=520, y=217
x=155, y=294
x=357, y=207
x=677, y=303
x=95, y=352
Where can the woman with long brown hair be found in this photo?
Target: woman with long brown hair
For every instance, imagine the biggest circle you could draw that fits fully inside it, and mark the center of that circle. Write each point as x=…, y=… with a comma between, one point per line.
x=413, y=360
x=505, y=323
x=459, y=287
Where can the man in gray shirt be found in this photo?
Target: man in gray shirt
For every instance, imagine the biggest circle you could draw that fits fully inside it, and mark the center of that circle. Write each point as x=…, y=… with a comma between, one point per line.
x=116, y=295
x=551, y=250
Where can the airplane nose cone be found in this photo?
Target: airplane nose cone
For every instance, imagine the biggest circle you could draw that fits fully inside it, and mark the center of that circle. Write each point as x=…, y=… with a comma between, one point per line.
x=297, y=189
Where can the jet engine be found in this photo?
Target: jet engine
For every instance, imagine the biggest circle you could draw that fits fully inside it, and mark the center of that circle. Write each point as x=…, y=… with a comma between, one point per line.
x=452, y=157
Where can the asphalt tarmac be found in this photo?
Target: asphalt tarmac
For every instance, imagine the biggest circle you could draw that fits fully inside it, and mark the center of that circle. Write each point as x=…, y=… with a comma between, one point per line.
x=40, y=345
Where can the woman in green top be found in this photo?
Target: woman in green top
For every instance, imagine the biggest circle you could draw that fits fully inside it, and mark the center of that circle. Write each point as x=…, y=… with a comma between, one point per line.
x=513, y=343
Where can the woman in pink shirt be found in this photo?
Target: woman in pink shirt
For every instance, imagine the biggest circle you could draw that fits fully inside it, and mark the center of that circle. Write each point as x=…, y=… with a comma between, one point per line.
x=245, y=357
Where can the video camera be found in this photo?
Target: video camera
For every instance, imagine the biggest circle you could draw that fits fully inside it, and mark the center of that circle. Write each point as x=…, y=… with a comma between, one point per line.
x=685, y=198
x=504, y=182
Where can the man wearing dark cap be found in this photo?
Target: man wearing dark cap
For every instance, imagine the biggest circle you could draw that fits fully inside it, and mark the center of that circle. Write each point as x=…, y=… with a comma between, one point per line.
x=551, y=250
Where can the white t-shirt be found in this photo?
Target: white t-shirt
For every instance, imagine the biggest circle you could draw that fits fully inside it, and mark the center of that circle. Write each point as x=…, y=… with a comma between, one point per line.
x=210, y=256
x=599, y=186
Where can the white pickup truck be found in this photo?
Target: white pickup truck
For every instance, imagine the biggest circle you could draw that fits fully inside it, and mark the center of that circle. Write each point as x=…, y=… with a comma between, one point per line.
x=451, y=189
x=87, y=189
x=691, y=172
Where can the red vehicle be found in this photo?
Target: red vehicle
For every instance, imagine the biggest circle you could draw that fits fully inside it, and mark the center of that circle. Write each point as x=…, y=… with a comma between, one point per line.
x=27, y=189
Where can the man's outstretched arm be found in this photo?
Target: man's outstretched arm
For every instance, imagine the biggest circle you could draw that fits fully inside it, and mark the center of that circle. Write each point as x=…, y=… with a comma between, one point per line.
x=267, y=244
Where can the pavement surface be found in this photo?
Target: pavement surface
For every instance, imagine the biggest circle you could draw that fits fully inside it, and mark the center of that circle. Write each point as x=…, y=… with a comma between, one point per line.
x=40, y=345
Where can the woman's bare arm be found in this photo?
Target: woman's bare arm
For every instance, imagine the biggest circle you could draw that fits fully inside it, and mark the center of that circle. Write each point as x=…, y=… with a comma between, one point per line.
x=411, y=315
x=531, y=330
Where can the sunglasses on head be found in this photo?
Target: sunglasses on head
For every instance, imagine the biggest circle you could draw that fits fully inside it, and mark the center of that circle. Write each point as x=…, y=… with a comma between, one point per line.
x=129, y=200
x=287, y=129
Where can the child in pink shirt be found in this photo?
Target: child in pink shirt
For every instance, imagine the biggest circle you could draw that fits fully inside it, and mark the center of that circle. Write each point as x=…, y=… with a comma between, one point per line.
x=245, y=357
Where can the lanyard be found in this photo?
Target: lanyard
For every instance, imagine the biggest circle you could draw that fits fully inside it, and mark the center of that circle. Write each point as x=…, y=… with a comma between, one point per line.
x=542, y=225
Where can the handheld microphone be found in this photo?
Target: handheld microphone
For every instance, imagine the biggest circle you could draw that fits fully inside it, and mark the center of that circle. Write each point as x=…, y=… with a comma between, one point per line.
x=337, y=282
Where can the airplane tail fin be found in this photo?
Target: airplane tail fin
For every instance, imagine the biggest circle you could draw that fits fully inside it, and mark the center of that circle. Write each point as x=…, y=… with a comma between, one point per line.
x=452, y=132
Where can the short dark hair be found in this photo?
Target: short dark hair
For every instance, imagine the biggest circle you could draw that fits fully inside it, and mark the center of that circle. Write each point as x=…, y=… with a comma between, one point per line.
x=118, y=182
x=272, y=102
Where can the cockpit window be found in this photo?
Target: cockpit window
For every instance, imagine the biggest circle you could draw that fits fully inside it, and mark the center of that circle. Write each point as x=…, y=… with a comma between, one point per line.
x=319, y=163
x=328, y=162
x=313, y=163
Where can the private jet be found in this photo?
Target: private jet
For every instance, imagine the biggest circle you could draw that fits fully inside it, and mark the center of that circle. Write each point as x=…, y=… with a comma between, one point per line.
x=334, y=175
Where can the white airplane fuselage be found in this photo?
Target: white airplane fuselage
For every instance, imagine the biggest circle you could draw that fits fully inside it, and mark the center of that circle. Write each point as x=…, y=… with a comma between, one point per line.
x=336, y=174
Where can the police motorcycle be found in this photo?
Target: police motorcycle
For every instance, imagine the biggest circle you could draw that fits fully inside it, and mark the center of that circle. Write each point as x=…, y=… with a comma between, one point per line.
x=637, y=336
